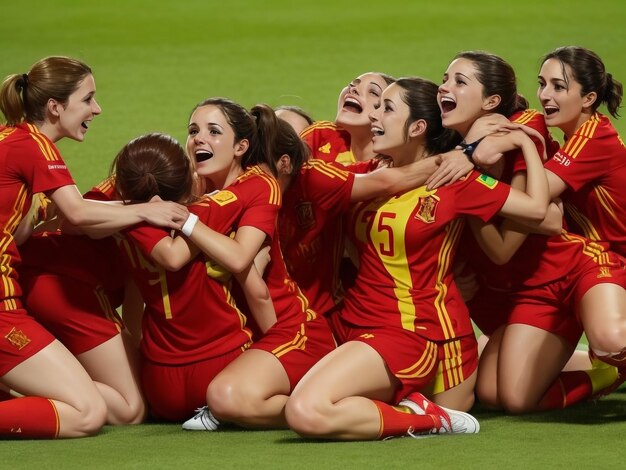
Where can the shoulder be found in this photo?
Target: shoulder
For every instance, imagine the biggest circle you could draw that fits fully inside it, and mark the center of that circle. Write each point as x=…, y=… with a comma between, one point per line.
x=255, y=183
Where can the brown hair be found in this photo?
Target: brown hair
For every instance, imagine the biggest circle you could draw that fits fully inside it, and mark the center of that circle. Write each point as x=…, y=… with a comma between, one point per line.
x=153, y=165
x=421, y=97
x=25, y=96
x=297, y=110
x=268, y=136
x=497, y=78
x=588, y=70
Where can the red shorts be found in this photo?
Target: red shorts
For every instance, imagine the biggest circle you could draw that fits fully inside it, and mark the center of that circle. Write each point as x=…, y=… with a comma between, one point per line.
x=418, y=363
x=80, y=316
x=20, y=338
x=174, y=392
x=489, y=309
x=553, y=307
x=298, y=348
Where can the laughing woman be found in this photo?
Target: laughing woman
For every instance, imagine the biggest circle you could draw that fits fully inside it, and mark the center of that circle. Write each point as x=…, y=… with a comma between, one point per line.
x=55, y=99
x=404, y=327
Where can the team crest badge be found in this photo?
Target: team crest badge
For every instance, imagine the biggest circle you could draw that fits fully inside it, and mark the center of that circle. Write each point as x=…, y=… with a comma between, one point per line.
x=324, y=148
x=224, y=197
x=17, y=338
x=427, y=209
x=305, y=215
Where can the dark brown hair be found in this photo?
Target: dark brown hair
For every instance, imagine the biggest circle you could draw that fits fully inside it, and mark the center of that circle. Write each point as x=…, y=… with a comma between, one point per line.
x=421, y=97
x=497, y=78
x=153, y=165
x=25, y=96
x=588, y=70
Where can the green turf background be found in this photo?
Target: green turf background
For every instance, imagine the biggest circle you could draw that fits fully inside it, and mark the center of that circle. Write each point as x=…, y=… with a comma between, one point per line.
x=154, y=60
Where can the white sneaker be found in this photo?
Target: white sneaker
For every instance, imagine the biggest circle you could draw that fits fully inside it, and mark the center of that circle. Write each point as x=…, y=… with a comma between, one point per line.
x=452, y=421
x=202, y=421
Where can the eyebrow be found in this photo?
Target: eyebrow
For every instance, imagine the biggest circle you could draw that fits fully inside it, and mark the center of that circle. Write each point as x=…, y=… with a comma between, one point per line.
x=208, y=123
x=376, y=85
x=462, y=75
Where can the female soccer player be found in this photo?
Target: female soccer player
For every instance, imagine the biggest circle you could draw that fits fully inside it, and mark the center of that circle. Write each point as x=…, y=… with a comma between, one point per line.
x=297, y=117
x=55, y=99
x=543, y=282
x=404, y=326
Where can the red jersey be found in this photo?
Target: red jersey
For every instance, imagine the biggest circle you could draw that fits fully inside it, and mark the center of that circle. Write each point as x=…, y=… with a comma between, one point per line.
x=30, y=164
x=328, y=142
x=541, y=259
x=310, y=230
x=406, y=246
x=190, y=316
x=593, y=164
x=78, y=258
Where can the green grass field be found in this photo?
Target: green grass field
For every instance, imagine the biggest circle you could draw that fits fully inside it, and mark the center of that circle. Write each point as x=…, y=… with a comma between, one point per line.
x=154, y=60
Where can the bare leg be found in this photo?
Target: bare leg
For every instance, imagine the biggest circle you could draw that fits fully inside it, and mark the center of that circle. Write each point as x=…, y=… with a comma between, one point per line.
x=460, y=397
x=530, y=360
x=56, y=374
x=333, y=400
x=113, y=367
x=251, y=391
x=487, y=382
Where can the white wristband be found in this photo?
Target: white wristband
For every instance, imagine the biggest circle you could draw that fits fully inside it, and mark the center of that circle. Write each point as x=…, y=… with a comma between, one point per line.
x=189, y=224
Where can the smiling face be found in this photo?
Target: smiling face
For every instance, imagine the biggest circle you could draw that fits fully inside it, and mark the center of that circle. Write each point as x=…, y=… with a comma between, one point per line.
x=461, y=97
x=81, y=107
x=561, y=97
x=358, y=100
x=211, y=141
x=388, y=123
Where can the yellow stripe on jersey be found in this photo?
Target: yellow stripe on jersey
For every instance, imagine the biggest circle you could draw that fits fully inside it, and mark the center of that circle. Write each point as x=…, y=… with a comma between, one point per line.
x=230, y=300
x=583, y=222
x=297, y=343
x=424, y=364
x=43, y=144
x=607, y=202
x=275, y=194
x=327, y=169
x=12, y=223
x=6, y=132
x=318, y=125
x=304, y=302
x=574, y=146
x=526, y=116
x=444, y=260
x=106, y=185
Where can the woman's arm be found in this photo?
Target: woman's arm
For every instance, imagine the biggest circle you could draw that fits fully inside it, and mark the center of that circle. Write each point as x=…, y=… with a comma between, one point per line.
x=258, y=297
x=236, y=254
x=103, y=219
x=174, y=253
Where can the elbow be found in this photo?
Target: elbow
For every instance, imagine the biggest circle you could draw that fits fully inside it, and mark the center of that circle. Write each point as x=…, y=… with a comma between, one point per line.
x=537, y=213
x=501, y=259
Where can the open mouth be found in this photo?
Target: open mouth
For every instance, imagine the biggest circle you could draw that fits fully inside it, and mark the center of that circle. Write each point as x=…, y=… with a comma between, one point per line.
x=377, y=131
x=550, y=110
x=203, y=155
x=447, y=104
x=85, y=124
x=352, y=105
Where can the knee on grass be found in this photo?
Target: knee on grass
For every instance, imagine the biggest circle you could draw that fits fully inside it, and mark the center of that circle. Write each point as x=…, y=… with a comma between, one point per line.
x=304, y=417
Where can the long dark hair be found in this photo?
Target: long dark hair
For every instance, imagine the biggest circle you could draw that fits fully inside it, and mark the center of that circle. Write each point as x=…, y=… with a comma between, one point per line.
x=497, y=78
x=421, y=97
x=588, y=70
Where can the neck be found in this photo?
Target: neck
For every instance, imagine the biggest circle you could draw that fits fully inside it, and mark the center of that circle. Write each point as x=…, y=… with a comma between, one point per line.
x=226, y=177
x=361, y=145
x=571, y=128
x=49, y=130
x=410, y=153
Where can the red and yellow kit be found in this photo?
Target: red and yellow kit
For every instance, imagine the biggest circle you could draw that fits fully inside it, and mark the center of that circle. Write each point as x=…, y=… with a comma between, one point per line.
x=328, y=142
x=30, y=164
x=72, y=286
x=190, y=316
x=310, y=230
x=406, y=246
x=300, y=337
x=592, y=162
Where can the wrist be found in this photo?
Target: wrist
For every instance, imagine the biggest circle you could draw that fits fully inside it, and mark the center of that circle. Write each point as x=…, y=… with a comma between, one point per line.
x=189, y=224
x=469, y=149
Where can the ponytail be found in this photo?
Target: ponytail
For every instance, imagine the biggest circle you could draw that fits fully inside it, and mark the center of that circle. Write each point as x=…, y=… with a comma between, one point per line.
x=12, y=96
